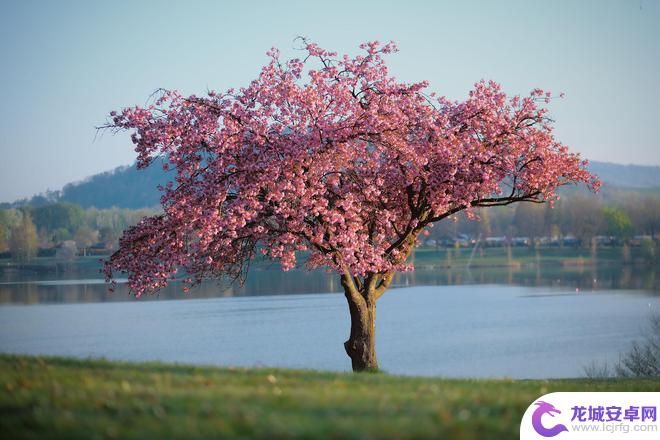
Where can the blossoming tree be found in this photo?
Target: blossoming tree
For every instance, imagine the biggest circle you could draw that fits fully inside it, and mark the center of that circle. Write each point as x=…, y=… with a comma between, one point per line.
x=331, y=156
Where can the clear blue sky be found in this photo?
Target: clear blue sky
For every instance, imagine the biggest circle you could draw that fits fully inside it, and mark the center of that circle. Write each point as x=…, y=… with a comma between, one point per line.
x=66, y=64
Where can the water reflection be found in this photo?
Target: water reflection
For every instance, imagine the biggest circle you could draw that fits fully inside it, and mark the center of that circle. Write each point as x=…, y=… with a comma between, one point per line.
x=80, y=283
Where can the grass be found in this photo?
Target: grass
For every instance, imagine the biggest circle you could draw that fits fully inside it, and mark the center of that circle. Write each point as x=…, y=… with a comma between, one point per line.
x=523, y=256
x=424, y=257
x=88, y=264
x=47, y=397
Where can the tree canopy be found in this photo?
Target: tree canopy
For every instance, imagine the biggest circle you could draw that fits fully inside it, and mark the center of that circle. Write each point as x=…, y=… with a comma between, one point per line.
x=329, y=154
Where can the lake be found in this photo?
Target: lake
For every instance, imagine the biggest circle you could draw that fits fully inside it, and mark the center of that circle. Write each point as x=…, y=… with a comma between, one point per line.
x=527, y=324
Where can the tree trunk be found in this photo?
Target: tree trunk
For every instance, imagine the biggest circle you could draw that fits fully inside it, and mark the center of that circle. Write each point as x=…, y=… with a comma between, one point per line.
x=361, y=344
x=362, y=294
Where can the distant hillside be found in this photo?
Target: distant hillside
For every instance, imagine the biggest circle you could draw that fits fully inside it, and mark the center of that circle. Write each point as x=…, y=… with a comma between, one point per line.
x=127, y=187
x=124, y=187
x=628, y=176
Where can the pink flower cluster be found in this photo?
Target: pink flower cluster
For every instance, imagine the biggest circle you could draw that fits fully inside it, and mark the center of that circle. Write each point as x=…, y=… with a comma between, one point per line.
x=331, y=156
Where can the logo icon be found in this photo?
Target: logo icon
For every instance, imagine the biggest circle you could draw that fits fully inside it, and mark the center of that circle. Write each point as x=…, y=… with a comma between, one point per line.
x=546, y=408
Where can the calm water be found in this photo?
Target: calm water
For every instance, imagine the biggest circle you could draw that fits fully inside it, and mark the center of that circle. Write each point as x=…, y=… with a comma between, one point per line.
x=526, y=321
x=76, y=283
x=454, y=331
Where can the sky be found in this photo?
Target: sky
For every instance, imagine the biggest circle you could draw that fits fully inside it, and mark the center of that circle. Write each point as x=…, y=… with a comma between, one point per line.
x=65, y=65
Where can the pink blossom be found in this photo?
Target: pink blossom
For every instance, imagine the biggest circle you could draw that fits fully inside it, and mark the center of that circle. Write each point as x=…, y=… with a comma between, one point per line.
x=347, y=163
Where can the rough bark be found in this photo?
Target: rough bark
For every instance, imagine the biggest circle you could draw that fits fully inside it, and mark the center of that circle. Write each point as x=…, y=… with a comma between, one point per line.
x=361, y=294
x=361, y=344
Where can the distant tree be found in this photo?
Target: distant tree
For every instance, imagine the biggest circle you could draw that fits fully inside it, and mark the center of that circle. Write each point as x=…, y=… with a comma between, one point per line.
x=476, y=226
x=529, y=221
x=617, y=222
x=551, y=221
x=58, y=215
x=60, y=234
x=47, y=198
x=501, y=219
x=85, y=237
x=23, y=242
x=5, y=227
x=4, y=239
x=650, y=216
x=351, y=166
x=484, y=229
x=108, y=236
x=584, y=217
x=113, y=218
x=133, y=217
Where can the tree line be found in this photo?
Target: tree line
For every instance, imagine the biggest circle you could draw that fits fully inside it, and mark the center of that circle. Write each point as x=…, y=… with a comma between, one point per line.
x=620, y=216
x=28, y=231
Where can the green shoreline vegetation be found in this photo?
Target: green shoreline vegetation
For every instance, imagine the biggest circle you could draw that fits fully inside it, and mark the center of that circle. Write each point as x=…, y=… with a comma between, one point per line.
x=423, y=257
x=614, y=218
x=52, y=397
x=569, y=268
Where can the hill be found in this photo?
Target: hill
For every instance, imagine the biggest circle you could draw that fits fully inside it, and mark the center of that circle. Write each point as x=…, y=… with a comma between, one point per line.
x=627, y=176
x=127, y=187
x=124, y=187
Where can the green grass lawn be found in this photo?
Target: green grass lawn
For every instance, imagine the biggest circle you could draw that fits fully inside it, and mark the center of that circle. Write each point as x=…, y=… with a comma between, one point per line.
x=44, y=397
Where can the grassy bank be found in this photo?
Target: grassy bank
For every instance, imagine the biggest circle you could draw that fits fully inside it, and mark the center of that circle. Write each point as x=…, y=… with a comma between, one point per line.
x=423, y=257
x=65, y=398
x=527, y=256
